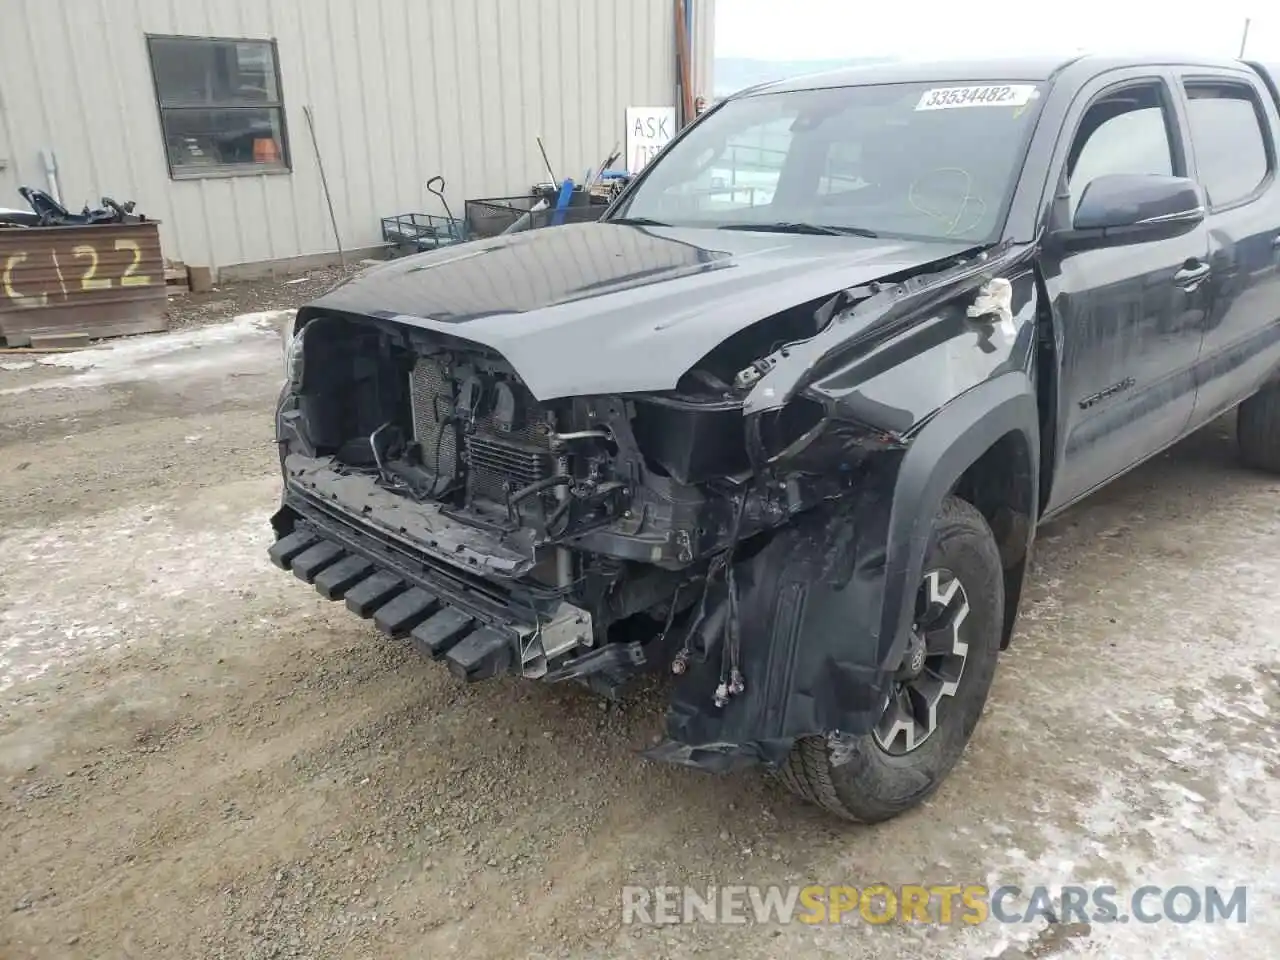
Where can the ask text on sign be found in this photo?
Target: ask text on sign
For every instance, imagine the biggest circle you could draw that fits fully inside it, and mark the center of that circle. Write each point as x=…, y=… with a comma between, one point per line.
x=648, y=130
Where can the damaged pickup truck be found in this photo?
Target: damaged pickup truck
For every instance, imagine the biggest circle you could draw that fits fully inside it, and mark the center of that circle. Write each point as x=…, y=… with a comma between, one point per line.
x=782, y=425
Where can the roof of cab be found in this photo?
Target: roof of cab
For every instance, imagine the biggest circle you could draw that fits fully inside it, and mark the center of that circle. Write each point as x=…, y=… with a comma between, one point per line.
x=969, y=71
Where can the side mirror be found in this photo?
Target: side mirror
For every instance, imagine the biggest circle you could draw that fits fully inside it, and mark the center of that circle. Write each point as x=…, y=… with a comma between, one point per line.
x=1131, y=208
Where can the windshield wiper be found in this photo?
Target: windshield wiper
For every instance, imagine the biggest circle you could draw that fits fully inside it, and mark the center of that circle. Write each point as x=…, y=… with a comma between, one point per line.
x=637, y=222
x=815, y=229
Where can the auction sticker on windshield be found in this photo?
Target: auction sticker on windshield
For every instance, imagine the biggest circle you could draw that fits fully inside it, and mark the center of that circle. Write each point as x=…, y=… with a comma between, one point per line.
x=991, y=95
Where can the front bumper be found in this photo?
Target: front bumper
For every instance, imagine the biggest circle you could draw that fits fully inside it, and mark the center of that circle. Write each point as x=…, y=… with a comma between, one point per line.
x=480, y=628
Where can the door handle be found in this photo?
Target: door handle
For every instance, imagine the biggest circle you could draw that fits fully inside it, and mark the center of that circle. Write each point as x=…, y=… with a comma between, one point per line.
x=1191, y=274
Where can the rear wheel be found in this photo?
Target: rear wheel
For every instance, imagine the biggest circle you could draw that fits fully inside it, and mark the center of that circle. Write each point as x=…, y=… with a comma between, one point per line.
x=1258, y=429
x=937, y=693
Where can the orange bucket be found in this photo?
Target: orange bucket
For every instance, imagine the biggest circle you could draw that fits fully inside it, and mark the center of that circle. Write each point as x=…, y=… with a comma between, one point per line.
x=265, y=150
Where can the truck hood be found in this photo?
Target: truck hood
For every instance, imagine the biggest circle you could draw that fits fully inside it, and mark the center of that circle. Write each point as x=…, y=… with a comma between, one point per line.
x=598, y=308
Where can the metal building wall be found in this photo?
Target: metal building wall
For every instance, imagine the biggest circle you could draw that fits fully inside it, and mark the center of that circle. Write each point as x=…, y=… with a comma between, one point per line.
x=401, y=90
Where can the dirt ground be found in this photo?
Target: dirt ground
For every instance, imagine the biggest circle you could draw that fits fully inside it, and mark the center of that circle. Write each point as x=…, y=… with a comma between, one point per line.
x=199, y=757
x=253, y=296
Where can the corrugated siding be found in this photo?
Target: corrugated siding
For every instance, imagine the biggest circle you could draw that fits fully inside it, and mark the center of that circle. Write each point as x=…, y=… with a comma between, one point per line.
x=401, y=90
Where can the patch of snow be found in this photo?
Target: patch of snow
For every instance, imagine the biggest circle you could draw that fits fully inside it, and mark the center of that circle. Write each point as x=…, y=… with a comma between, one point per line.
x=132, y=350
x=127, y=575
x=246, y=343
x=16, y=364
x=1217, y=829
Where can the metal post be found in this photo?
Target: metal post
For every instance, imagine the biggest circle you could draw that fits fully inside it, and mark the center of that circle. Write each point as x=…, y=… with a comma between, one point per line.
x=324, y=183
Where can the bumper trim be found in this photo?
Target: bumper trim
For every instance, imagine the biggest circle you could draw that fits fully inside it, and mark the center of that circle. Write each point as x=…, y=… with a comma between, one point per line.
x=314, y=560
x=472, y=649
x=435, y=635
x=336, y=580
x=473, y=632
x=284, y=550
x=371, y=593
x=398, y=616
x=480, y=655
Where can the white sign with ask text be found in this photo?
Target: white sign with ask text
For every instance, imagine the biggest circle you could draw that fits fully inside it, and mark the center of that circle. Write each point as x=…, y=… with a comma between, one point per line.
x=649, y=129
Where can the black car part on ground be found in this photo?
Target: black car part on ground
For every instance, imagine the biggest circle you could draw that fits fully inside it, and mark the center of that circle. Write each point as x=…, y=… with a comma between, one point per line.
x=50, y=213
x=19, y=218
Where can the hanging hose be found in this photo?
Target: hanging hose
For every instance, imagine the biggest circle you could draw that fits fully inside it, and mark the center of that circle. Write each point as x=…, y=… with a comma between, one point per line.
x=731, y=680
x=538, y=486
x=681, y=661
x=558, y=514
x=671, y=616
x=378, y=455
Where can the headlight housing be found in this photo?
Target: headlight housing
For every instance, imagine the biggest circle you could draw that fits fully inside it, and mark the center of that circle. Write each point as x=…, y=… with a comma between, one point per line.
x=293, y=354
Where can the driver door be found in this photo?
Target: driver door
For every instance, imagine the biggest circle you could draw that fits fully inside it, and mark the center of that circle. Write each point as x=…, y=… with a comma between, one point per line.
x=1131, y=316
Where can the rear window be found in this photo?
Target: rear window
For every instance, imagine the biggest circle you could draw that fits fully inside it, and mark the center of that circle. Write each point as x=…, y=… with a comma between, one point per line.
x=1228, y=136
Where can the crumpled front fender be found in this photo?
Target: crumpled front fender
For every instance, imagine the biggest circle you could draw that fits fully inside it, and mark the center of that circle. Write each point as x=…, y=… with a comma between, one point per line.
x=811, y=602
x=825, y=606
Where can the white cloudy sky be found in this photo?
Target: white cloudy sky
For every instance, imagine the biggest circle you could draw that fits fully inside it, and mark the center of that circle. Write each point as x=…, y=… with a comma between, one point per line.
x=821, y=29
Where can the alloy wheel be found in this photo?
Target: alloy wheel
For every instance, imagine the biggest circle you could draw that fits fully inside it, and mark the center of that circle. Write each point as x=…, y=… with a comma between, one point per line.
x=931, y=668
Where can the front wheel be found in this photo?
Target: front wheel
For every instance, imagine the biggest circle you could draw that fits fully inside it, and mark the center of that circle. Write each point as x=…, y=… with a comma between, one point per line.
x=937, y=693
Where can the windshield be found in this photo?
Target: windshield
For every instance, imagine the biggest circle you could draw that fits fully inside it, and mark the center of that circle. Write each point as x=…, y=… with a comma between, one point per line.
x=916, y=161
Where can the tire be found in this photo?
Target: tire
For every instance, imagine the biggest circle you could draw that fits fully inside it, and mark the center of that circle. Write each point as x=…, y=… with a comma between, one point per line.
x=1258, y=429
x=858, y=778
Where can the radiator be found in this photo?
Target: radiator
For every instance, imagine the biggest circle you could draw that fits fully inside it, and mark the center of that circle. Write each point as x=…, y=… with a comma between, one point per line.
x=431, y=396
x=497, y=461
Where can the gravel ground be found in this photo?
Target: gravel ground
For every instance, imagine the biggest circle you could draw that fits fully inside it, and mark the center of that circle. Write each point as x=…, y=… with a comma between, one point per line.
x=197, y=309
x=200, y=757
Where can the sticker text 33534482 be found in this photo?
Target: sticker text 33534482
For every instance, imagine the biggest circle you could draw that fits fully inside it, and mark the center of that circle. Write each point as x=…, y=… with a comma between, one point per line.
x=986, y=95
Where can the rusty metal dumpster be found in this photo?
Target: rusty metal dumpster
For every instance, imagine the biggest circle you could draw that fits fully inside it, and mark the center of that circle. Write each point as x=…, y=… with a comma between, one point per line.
x=99, y=280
